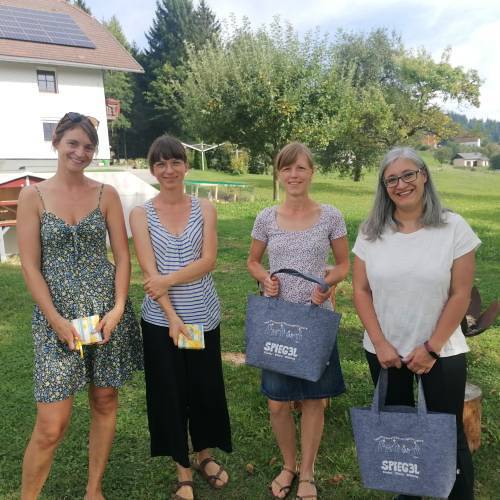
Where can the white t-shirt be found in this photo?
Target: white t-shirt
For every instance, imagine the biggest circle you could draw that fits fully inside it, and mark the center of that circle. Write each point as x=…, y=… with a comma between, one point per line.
x=410, y=275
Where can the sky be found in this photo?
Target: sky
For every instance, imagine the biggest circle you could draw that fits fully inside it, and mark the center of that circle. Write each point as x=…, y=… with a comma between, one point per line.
x=470, y=28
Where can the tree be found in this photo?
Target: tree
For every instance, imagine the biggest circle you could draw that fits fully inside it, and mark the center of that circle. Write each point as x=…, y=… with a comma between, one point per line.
x=167, y=37
x=176, y=25
x=349, y=101
x=495, y=162
x=253, y=89
x=444, y=154
x=82, y=5
x=119, y=85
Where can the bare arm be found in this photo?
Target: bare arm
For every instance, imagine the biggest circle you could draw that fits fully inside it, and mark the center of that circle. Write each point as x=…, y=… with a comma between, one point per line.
x=147, y=261
x=462, y=276
x=256, y=269
x=158, y=285
x=28, y=239
x=363, y=302
x=113, y=212
x=338, y=273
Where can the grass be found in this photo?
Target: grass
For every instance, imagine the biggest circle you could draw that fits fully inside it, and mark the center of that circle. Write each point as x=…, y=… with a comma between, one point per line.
x=134, y=475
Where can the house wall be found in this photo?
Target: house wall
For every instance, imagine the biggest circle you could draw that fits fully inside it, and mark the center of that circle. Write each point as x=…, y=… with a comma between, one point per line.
x=471, y=143
x=460, y=162
x=23, y=109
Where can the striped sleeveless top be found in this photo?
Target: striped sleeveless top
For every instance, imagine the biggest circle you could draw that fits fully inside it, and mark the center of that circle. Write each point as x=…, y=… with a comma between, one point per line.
x=194, y=302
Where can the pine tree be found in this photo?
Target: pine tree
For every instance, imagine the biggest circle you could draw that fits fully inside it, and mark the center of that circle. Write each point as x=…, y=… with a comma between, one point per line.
x=119, y=85
x=81, y=4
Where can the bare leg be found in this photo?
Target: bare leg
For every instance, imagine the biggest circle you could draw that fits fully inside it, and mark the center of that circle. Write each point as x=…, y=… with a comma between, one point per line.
x=311, y=427
x=184, y=474
x=52, y=420
x=211, y=468
x=284, y=431
x=103, y=406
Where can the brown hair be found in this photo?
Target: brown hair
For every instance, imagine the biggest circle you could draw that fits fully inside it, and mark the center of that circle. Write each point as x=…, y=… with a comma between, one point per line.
x=166, y=147
x=289, y=153
x=71, y=121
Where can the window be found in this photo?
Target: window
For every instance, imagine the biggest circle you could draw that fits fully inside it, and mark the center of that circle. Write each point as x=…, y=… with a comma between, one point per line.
x=46, y=81
x=48, y=130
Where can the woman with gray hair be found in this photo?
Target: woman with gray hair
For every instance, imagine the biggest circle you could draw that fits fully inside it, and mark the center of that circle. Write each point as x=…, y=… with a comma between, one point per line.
x=412, y=278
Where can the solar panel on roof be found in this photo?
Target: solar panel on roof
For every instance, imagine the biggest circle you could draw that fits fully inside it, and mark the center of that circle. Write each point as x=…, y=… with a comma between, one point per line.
x=41, y=26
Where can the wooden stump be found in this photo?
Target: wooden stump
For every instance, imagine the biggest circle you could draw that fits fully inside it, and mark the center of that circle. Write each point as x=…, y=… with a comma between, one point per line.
x=472, y=416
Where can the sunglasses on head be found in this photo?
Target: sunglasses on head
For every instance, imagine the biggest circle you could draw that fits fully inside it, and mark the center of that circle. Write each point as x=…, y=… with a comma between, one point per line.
x=78, y=117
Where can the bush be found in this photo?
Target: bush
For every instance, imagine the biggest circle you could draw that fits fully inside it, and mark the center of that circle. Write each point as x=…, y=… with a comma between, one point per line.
x=139, y=163
x=258, y=164
x=228, y=158
x=239, y=161
x=495, y=162
x=443, y=154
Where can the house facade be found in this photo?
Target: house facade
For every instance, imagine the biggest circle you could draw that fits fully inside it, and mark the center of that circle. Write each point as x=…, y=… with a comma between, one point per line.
x=471, y=160
x=41, y=80
x=468, y=140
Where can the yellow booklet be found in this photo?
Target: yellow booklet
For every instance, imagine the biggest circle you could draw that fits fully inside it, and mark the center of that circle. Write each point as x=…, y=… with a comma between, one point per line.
x=197, y=340
x=86, y=328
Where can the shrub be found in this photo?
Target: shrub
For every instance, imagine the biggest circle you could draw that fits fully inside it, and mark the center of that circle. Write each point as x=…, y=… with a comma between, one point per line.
x=495, y=162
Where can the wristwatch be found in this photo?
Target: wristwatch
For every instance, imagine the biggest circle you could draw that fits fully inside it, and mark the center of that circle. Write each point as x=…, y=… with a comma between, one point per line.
x=428, y=348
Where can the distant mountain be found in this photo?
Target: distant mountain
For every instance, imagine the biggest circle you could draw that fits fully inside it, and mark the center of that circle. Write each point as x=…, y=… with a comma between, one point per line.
x=483, y=128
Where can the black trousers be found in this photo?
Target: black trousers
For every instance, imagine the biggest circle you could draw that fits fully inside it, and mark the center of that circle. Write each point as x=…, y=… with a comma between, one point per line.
x=444, y=389
x=184, y=388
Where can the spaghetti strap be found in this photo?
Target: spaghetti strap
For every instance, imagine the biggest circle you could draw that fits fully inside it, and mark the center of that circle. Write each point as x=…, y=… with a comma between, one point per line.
x=41, y=197
x=100, y=195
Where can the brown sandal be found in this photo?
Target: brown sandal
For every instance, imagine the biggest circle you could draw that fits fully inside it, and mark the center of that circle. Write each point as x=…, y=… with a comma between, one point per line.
x=178, y=486
x=211, y=479
x=287, y=488
x=310, y=481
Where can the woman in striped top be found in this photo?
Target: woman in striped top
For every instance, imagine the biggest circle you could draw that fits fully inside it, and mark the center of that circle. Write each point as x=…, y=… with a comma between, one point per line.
x=176, y=244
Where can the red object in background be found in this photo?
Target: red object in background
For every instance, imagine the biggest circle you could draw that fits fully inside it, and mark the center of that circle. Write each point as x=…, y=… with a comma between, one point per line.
x=22, y=181
x=112, y=108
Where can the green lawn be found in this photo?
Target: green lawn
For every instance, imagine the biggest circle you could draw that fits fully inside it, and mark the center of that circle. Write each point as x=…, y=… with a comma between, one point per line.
x=134, y=475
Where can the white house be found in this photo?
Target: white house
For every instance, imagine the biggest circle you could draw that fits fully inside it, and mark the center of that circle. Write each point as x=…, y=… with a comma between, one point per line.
x=468, y=140
x=52, y=59
x=472, y=160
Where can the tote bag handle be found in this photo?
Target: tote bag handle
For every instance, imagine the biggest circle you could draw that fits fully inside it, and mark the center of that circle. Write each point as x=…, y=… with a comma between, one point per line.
x=322, y=283
x=381, y=392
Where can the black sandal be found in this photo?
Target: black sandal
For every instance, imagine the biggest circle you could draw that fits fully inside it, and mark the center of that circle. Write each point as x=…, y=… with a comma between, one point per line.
x=310, y=481
x=178, y=486
x=287, y=488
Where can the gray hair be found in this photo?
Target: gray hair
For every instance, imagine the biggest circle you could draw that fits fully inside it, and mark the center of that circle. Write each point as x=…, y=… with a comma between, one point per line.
x=382, y=213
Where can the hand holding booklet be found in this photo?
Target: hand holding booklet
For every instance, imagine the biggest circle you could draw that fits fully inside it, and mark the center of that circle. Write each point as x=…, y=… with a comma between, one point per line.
x=197, y=340
x=86, y=328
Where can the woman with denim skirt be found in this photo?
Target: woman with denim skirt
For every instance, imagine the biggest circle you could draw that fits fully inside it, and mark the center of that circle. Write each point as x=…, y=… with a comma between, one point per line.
x=299, y=234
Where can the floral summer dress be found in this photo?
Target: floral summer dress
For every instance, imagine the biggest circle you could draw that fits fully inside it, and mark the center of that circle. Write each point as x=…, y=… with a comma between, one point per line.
x=81, y=281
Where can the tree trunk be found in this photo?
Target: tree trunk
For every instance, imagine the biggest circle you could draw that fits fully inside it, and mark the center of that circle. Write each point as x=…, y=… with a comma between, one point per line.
x=276, y=186
x=356, y=172
x=472, y=416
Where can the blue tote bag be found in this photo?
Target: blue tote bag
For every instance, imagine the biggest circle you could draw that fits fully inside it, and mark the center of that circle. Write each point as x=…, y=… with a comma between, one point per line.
x=403, y=449
x=289, y=338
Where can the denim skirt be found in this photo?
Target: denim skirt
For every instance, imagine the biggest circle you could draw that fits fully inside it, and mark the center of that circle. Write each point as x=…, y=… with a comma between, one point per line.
x=279, y=387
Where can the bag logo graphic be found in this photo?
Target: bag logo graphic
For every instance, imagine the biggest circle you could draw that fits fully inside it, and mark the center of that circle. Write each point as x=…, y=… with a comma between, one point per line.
x=406, y=448
x=280, y=350
x=285, y=330
x=401, y=446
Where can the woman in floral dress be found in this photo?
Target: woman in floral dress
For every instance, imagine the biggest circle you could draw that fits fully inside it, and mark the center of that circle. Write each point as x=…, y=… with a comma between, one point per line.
x=62, y=224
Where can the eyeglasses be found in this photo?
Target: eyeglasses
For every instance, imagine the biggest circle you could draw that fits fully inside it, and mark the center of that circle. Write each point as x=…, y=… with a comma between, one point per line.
x=409, y=176
x=174, y=163
x=78, y=117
